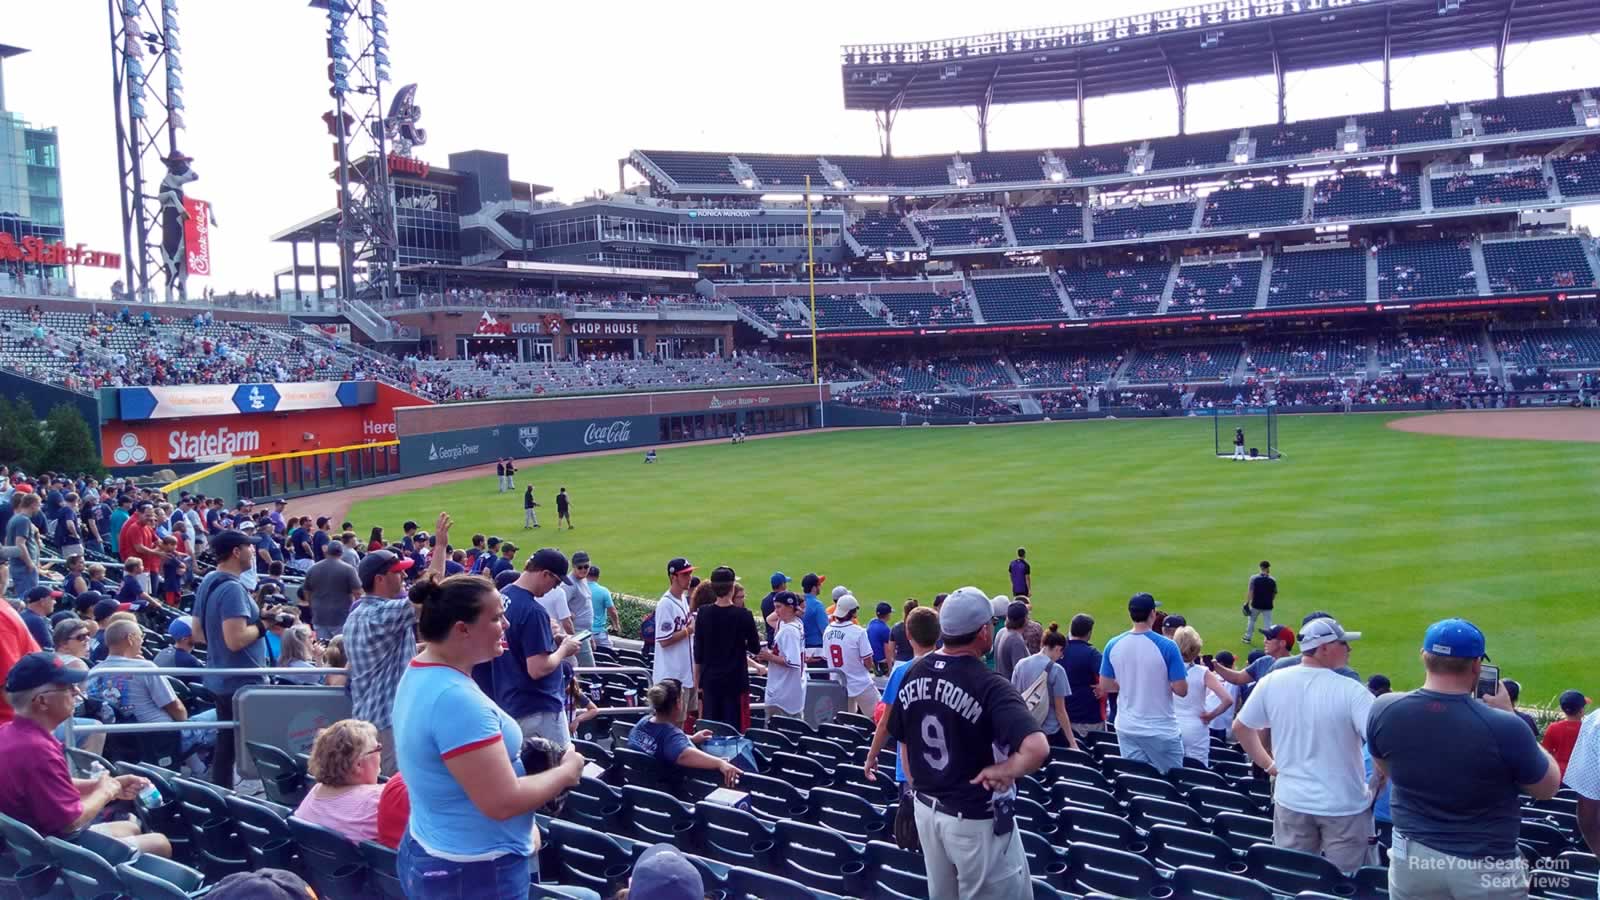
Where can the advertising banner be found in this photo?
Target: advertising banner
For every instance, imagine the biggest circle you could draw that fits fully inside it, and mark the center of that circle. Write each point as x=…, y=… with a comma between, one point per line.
x=197, y=235
x=179, y=401
x=442, y=451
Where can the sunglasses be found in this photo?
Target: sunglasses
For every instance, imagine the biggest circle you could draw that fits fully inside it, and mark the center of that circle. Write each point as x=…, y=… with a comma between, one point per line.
x=80, y=636
x=376, y=749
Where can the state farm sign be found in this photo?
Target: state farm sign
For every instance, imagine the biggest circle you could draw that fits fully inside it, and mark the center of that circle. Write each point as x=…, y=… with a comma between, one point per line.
x=204, y=444
x=598, y=435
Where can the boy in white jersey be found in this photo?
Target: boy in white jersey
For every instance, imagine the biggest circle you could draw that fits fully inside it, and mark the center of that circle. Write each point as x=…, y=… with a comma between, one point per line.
x=849, y=655
x=786, y=674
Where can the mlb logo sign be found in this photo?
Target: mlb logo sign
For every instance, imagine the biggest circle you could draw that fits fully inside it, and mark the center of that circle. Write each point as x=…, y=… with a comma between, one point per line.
x=528, y=436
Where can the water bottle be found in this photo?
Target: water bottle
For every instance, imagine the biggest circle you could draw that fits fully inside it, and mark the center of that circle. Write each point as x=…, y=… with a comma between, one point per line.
x=150, y=797
x=96, y=770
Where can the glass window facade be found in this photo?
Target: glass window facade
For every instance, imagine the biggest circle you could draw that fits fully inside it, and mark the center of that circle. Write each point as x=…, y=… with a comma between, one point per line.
x=427, y=223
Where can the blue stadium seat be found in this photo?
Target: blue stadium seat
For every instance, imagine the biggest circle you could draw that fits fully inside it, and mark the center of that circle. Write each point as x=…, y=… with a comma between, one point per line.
x=1407, y=126
x=749, y=884
x=1216, y=287
x=1073, y=794
x=1081, y=826
x=1537, y=112
x=1479, y=189
x=1552, y=885
x=1034, y=816
x=770, y=741
x=1130, y=786
x=774, y=799
x=1018, y=298
x=1426, y=269
x=1255, y=204
x=1578, y=175
x=329, y=862
x=159, y=880
x=848, y=814
x=1318, y=278
x=382, y=874
x=264, y=832
x=882, y=231
x=1241, y=832
x=963, y=231
x=824, y=750
x=1132, y=289
x=640, y=769
x=1537, y=265
x=896, y=874
x=1114, y=872
x=1045, y=860
x=282, y=777
x=1007, y=166
x=586, y=858
x=803, y=772
x=1292, y=871
x=818, y=858
x=1359, y=195
x=1200, y=883
x=733, y=836
x=594, y=804
x=1296, y=139
x=1186, y=151
x=655, y=817
x=210, y=827
x=1147, y=812
x=1171, y=847
x=1126, y=223
x=848, y=778
x=1209, y=801
x=1054, y=223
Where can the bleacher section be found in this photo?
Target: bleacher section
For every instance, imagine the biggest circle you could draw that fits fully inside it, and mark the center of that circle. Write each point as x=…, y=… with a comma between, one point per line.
x=1018, y=298
x=1549, y=348
x=926, y=308
x=882, y=231
x=1428, y=125
x=903, y=171
x=1131, y=222
x=976, y=372
x=1307, y=356
x=1356, y=195
x=1515, y=266
x=1426, y=269
x=1045, y=368
x=687, y=167
x=1429, y=351
x=1180, y=365
x=1475, y=189
x=841, y=311
x=1536, y=113
x=963, y=232
x=1318, y=277
x=1295, y=139
x=1215, y=287
x=1130, y=290
x=770, y=310
x=1188, y=151
x=1578, y=175
x=1254, y=204
x=784, y=171
x=913, y=376
x=1006, y=166
x=567, y=377
x=1093, y=162
x=1060, y=223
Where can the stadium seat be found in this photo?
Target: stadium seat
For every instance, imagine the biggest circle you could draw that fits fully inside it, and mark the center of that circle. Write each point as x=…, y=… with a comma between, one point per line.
x=771, y=741
x=803, y=772
x=593, y=752
x=91, y=876
x=851, y=780
x=655, y=817
x=1372, y=882
x=1201, y=883
x=166, y=816
x=1102, y=830
x=1130, y=786
x=1036, y=817
x=331, y=864
x=1292, y=871
x=857, y=721
x=1171, y=847
x=818, y=858
x=1242, y=832
x=210, y=828
x=774, y=799
x=1580, y=862
x=749, y=884
x=1188, y=778
x=265, y=833
x=159, y=880
x=593, y=804
x=791, y=725
x=895, y=873
x=1070, y=794
x=1147, y=812
x=382, y=876
x=1114, y=872
x=849, y=815
x=32, y=868
x=586, y=858
x=1080, y=773
x=1549, y=885
x=1208, y=801
x=828, y=752
x=639, y=769
x=1045, y=860
x=846, y=736
x=733, y=836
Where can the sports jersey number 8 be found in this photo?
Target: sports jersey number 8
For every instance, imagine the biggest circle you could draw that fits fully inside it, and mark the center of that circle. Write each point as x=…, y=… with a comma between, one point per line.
x=937, y=754
x=836, y=653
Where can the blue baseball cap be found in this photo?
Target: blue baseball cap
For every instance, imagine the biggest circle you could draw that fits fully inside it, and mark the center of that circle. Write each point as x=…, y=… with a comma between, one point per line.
x=779, y=580
x=178, y=628
x=1454, y=637
x=41, y=668
x=664, y=873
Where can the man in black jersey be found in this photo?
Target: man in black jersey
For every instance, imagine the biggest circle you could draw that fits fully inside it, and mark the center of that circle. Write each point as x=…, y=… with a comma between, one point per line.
x=968, y=736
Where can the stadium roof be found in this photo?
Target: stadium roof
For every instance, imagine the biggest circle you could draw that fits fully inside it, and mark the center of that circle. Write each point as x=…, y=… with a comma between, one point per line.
x=1209, y=42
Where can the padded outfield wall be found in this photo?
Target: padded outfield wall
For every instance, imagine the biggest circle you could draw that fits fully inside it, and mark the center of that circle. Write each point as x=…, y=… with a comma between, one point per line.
x=458, y=435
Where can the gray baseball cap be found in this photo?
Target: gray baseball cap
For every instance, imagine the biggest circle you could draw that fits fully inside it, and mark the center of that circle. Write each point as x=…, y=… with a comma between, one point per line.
x=1319, y=632
x=964, y=612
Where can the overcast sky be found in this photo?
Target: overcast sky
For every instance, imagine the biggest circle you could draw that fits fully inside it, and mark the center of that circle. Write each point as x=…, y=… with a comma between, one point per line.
x=567, y=90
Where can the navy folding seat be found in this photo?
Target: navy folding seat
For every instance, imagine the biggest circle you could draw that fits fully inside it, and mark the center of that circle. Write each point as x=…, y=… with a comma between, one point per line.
x=774, y=798
x=640, y=769
x=1072, y=793
x=1147, y=812
x=1209, y=801
x=1200, y=883
x=850, y=779
x=586, y=858
x=1227, y=754
x=1042, y=890
x=655, y=817
x=818, y=858
x=791, y=725
x=1120, y=765
x=1549, y=885
x=1131, y=786
x=717, y=729
x=383, y=877
x=1094, y=739
x=1100, y=829
x=1069, y=755
x=1036, y=817
x=141, y=884
x=733, y=836
x=845, y=735
x=87, y=874
x=803, y=772
x=1242, y=832
x=1171, y=847
x=849, y=815
x=1082, y=774
x=749, y=884
x=771, y=741
x=1580, y=862
x=856, y=721
x=282, y=778
x=594, y=753
x=1372, y=883
x=165, y=817
x=264, y=832
x=1045, y=860
x=895, y=873
x=1034, y=789
x=210, y=828
x=31, y=870
x=1292, y=871
x=329, y=862
x=619, y=733
x=1114, y=872
x=1546, y=840
x=1187, y=778
x=593, y=804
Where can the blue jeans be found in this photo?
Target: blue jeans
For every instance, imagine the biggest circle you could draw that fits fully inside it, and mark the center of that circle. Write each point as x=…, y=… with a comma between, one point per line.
x=23, y=580
x=61, y=731
x=1162, y=752
x=190, y=740
x=426, y=877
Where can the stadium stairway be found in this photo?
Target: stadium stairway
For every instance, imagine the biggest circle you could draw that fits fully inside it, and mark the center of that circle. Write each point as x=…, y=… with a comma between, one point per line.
x=1011, y=233
x=1011, y=372
x=1264, y=287
x=1548, y=169
x=1066, y=300
x=1166, y=291
x=1480, y=268
x=1425, y=194
x=1592, y=251
x=1497, y=368
x=1121, y=374
x=1372, y=278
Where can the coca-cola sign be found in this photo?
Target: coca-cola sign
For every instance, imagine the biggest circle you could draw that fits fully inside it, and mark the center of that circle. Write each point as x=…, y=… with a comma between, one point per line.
x=606, y=435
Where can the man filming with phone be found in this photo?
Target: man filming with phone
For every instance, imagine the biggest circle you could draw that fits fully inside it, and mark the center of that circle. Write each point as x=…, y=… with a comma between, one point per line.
x=1457, y=758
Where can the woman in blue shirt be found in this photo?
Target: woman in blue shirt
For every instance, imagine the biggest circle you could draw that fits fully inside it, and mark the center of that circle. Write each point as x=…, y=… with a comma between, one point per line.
x=471, y=826
x=662, y=736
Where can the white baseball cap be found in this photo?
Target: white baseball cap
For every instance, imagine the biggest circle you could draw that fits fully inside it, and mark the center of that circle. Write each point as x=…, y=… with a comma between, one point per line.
x=846, y=605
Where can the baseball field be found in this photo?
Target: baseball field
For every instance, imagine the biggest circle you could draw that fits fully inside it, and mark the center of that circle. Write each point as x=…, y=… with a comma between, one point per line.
x=1387, y=529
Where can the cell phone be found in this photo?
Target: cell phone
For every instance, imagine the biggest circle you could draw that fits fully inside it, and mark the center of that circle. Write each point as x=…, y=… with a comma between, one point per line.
x=1489, y=681
x=582, y=636
x=1207, y=659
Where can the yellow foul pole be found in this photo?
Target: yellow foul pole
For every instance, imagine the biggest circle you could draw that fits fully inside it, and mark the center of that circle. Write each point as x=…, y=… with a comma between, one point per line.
x=811, y=277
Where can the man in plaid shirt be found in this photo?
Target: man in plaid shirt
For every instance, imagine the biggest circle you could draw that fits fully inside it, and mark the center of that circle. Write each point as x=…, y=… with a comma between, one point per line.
x=380, y=637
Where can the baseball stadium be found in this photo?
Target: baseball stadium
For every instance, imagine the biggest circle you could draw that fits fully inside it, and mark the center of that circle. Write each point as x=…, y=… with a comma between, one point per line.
x=1292, y=425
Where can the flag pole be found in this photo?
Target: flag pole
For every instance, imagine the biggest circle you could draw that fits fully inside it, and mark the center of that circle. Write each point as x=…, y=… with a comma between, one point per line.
x=811, y=280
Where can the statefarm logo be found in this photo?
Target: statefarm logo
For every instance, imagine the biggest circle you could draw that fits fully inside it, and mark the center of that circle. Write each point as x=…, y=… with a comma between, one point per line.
x=597, y=435
x=459, y=451
x=130, y=451
x=222, y=442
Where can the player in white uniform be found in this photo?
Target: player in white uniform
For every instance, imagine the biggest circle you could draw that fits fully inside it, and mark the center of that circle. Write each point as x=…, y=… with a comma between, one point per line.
x=675, y=632
x=786, y=668
x=849, y=656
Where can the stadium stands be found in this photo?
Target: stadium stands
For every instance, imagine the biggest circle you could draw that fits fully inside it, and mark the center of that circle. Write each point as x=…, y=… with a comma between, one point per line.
x=1006, y=166
x=840, y=311
x=1139, y=220
x=1094, y=162
x=976, y=372
x=1537, y=265
x=776, y=171
x=1549, y=348
x=1059, y=223
x=1018, y=298
x=1216, y=286
x=882, y=231
x=1354, y=195
x=1426, y=269
x=963, y=231
x=1308, y=355
x=1539, y=112
x=1044, y=368
x=1428, y=351
x=902, y=171
x=1189, y=151
x=773, y=310
x=1128, y=290
x=925, y=308
x=1253, y=204
x=1407, y=126
x=1578, y=175
x=1524, y=185
x=1318, y=277
x=913, y=376
x=686, y=167
x=1183, y=364
x=1296, y=139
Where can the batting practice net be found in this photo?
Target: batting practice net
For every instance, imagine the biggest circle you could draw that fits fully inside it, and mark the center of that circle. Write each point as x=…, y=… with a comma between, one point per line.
x=1260, y=427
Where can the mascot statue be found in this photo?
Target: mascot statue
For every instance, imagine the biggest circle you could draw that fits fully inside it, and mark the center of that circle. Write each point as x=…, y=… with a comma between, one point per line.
x=174, y=255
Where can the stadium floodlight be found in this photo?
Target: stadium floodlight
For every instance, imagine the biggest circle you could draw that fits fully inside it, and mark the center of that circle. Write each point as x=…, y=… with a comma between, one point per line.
x=1591, y=118
x=1058, y=176
x=950, y=71
x=748, y=183
x=838, y=184
x=1211, y=39
x=1241, y=158
x=1351, y=147
x=1449, y=6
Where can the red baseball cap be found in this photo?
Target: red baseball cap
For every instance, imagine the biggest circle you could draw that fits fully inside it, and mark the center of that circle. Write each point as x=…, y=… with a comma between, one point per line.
x=1280, y=633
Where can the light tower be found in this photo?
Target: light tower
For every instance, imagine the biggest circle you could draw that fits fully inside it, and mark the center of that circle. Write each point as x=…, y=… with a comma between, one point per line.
x=358, y=67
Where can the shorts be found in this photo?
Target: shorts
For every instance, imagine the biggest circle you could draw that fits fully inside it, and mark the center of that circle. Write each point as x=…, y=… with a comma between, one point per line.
x=1344, y=840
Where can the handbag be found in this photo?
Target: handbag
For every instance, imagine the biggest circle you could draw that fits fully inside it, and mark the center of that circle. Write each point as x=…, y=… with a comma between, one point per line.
x=905, y=822
x=1037, y=697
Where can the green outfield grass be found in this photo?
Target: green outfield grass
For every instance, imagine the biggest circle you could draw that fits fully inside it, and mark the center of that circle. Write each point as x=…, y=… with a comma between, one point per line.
x=1388, y=530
